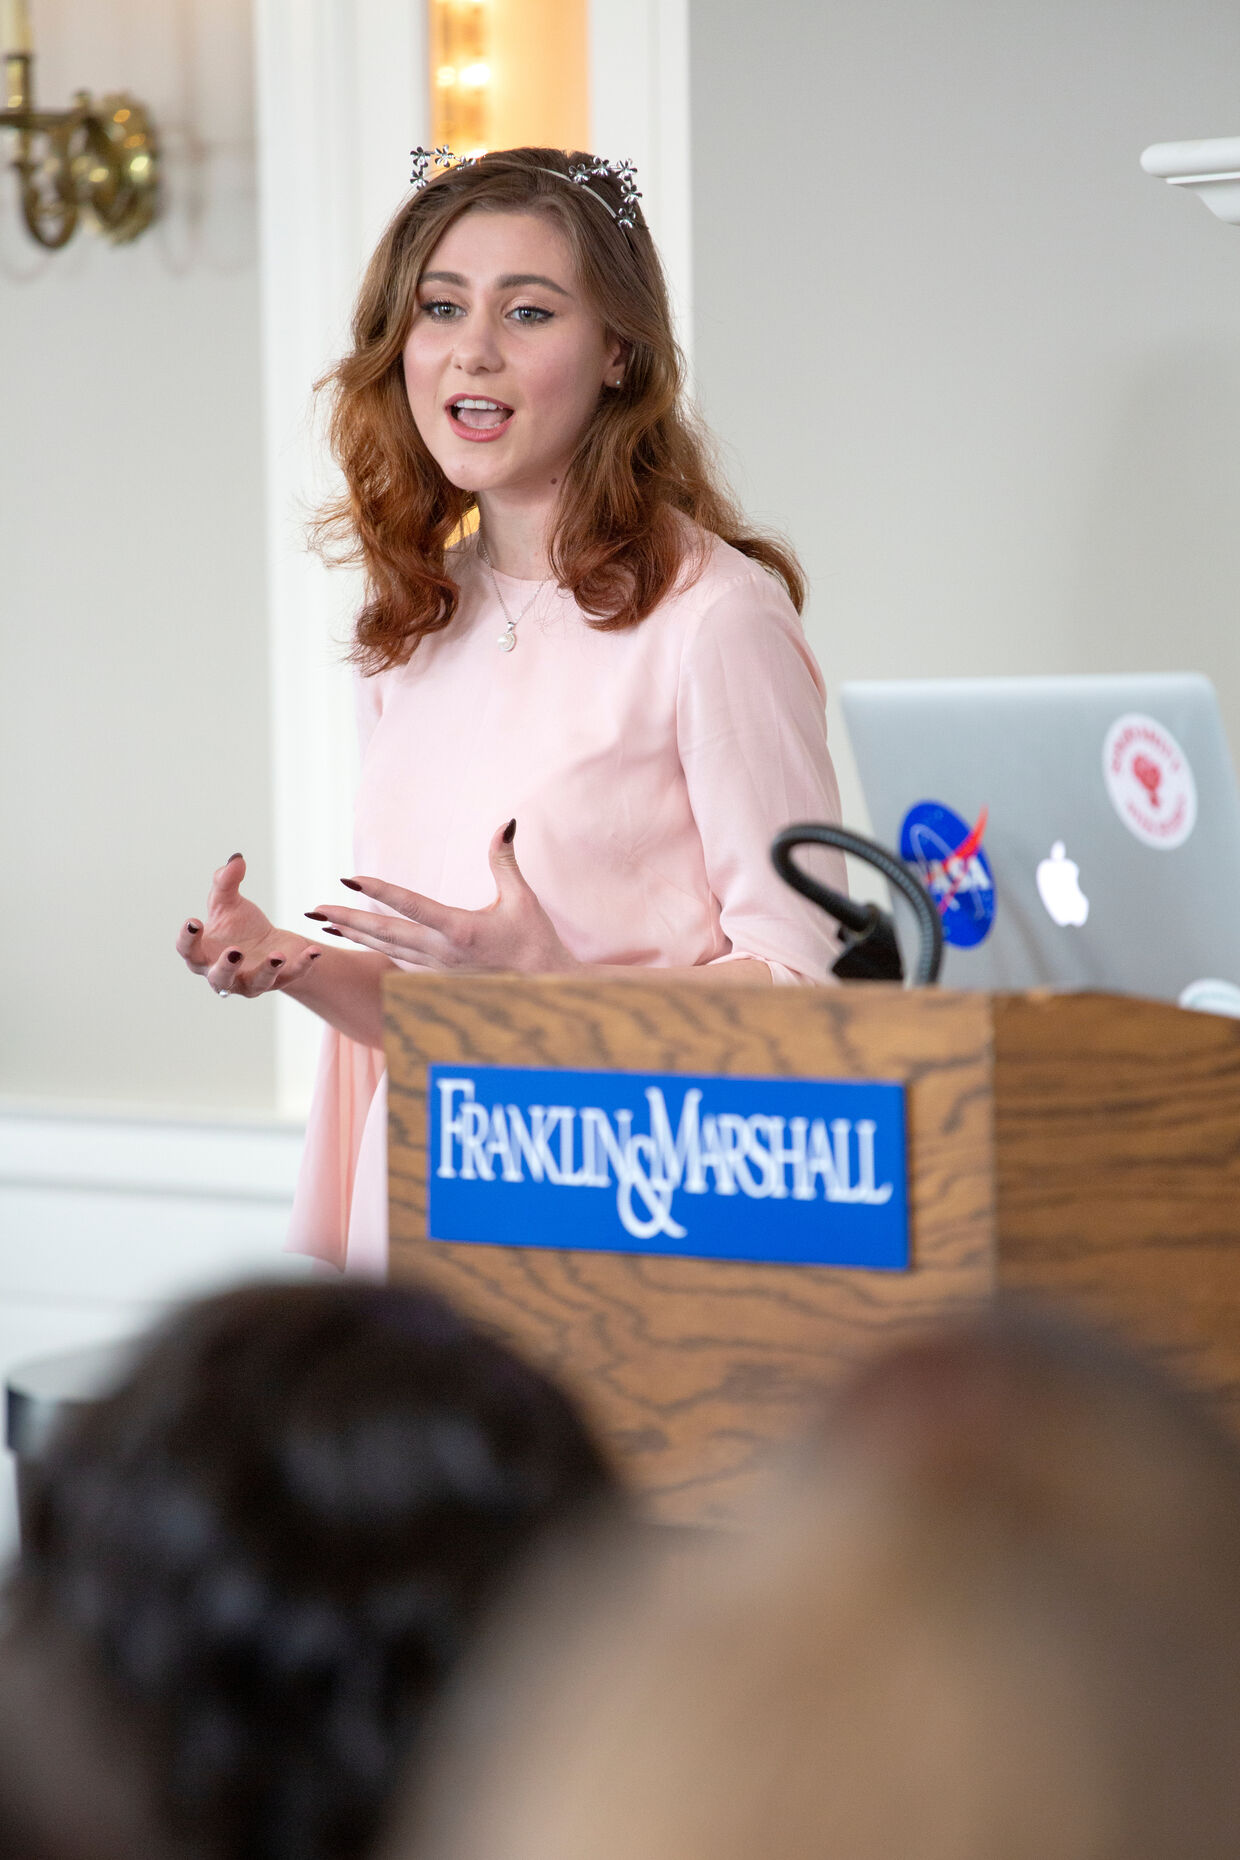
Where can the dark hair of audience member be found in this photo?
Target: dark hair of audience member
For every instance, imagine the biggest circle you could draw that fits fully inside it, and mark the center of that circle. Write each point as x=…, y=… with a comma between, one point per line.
x=279, y=1533
x=995, y=1616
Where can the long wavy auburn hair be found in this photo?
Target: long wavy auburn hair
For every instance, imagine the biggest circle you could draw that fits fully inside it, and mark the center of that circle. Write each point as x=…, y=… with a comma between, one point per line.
x=619, y=541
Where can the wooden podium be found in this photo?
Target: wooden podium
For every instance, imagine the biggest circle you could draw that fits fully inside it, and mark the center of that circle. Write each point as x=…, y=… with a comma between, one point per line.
x=1086, y=1147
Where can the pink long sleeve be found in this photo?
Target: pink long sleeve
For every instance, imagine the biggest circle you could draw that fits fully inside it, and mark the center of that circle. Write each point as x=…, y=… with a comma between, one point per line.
x=751, y=728
x=648, y=769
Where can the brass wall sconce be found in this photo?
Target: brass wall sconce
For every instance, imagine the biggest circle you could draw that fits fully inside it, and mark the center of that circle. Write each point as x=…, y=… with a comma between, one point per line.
x=93, y=160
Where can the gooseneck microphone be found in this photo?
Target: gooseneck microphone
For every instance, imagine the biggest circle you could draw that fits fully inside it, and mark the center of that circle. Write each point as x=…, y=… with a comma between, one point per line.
x=870, y=952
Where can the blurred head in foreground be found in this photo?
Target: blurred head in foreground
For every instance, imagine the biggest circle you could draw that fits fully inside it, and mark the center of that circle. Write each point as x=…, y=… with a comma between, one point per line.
x=275, y=1538
x=996, y=1618
x=75, y=1781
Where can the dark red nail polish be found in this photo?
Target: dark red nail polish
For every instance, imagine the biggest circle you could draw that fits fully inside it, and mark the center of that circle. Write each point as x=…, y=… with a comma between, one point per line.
x=351, y=883
x=510, y=832
x=317, y=916
x=331, y=930
x=193, y=928
x=277, y=962
x=234, y=955
x=233, y=856
x=315, y=954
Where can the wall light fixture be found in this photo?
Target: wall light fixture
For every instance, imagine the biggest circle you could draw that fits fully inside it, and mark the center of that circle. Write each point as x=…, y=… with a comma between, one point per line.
x=94, y=160
x=461, y=94
x=1210, y=169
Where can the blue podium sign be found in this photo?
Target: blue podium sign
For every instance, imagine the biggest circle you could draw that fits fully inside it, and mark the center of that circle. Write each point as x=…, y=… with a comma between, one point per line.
x=810, y=1171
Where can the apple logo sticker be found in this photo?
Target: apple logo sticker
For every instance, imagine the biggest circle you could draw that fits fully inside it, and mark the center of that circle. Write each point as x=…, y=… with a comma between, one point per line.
x=1059, y=887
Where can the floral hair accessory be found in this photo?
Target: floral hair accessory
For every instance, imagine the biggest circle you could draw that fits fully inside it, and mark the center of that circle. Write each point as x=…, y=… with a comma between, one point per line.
x=580, y=174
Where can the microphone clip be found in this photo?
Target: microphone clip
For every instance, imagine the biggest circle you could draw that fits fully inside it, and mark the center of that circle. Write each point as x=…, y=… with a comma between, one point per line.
x=869, y=950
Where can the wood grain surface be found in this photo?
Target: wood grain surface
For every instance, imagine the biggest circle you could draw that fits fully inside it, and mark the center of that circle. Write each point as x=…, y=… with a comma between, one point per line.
x=1117, y=1127
x=694, y=1368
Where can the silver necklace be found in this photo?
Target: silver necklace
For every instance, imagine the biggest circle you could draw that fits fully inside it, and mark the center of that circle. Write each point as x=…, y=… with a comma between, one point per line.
x=508, y=638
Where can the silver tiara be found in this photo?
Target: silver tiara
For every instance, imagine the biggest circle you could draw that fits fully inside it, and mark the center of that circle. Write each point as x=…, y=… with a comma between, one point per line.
x=580, y=173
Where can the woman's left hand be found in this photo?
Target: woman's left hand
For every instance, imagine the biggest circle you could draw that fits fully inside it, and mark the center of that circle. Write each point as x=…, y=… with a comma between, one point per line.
x=513, y=933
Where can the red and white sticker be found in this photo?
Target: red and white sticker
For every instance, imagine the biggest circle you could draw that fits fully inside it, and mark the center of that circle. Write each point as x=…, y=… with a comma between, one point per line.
x=1149, y=781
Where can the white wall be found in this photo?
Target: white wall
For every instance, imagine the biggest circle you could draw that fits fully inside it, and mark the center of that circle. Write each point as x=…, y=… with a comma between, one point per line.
x=983, y=370
x=134, y=710
x=134, y=701
x=639, y=112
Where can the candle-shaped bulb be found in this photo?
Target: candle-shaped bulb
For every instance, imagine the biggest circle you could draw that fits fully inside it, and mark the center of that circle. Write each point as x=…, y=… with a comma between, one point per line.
x=15, y=36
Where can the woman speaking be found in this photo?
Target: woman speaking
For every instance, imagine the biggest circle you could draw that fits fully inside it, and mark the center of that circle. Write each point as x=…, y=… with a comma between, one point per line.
x=583, y=716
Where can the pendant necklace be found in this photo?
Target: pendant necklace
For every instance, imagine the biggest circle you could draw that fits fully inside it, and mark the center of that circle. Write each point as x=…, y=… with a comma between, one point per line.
x=508, y=638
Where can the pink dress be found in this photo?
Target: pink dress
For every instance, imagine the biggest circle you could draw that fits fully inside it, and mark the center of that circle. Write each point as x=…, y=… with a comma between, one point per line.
x=648, y=771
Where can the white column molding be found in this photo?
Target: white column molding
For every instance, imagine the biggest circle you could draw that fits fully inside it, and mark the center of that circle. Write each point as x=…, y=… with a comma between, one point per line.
x=639, y=108
x=342, y=98
x=1209, y=169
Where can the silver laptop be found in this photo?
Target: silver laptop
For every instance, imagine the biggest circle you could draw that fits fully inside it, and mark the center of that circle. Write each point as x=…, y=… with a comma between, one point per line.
x=1074, y=832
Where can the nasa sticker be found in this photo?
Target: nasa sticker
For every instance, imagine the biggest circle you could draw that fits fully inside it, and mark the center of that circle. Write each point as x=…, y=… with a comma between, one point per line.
x=955, y=871
x=1149, y=780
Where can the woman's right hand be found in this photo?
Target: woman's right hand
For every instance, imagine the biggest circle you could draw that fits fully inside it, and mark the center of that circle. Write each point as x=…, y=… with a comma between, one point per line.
x=237, y=947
